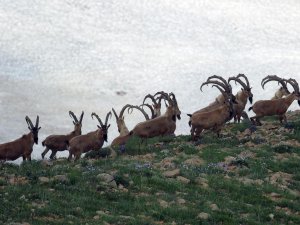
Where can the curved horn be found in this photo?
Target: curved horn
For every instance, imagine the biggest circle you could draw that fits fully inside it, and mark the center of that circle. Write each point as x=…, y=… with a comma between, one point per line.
x=30, y=125
x=72, y=115
x=115, y=114
x=81, y=117
x=165, y=96
x=222, y=91
x=99, y=120
x=143, y=111
x=107, y=117
x=223, y=80
x=294, y=84
x=273, y=78
x=123, y=109
x=151, y=97
x=226, y=88
x=217, y=77
x=173, y=97
x=151, y=109
x=246, y=79
x=239, y=81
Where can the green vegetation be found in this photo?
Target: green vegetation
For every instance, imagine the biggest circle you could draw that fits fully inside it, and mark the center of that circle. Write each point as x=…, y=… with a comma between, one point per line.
x=239, y=178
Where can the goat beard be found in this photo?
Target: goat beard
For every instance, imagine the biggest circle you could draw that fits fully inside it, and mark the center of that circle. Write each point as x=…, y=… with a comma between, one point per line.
x=105, y=137
x=250, y=100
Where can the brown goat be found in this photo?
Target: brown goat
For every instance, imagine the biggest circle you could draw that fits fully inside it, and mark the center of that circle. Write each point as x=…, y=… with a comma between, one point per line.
x=57, y=143
x=282, y=91
x=22, y=146
x=241, y=97
x=212, y=118
x=273, y=107
x=161, y=125
x=124, y=133
x=90, y=141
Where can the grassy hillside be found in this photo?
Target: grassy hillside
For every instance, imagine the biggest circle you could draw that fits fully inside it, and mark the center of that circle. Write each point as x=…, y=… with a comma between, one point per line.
x=248, y=176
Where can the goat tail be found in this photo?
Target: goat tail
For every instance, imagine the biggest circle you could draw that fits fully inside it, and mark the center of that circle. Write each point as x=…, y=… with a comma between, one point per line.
x=250, y=108
x=43, y=143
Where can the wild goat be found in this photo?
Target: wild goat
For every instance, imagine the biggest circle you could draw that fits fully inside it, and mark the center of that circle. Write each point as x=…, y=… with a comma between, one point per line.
x=241, y=97
x=226, y=91
x=223, y=83
x=213, y=119
x=90, y=141
x=22, y=146
x=282, y=91
x=57, y=143
x=273, y=107
x=220, y=99
x=161, y=125
x=124, y=132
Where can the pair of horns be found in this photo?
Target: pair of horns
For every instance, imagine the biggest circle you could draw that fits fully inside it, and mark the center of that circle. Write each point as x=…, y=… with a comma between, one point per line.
x=72, y=115
x=99, y=120
x=30, y=124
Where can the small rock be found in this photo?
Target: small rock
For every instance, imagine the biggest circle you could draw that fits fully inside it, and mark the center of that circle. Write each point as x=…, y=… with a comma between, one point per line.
x=100, y=212
x=214, y=207
x=61, y=178
x=183, y=180
x=97, y=217
x=163, y=203
x=105, y=177
x=172, y=173
x=181, y=201
x=44, y=179
x=47, y=163
x=271, y=215
x=194, y=162
x=203, y=216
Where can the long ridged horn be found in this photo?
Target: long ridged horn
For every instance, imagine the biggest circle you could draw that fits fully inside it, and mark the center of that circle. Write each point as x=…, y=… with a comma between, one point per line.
x=294, y=84
x=123, y=110
x=72, y=115
x=30, y=125
x=142, y=111
x=217, y=83
x=151, y=97
x=37, y=122
x=107, y=117
x=221, y=79
x=115, y=114
x=274, y=78
x=99, y=120
x=165, y=96
x=222, y=91
x=151, y=109
x=81, y=117
x=246, y=79
x=173, y=98
x=239, y=81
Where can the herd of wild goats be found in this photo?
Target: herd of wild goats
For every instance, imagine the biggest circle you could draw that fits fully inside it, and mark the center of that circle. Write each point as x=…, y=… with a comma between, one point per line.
x=225, y=107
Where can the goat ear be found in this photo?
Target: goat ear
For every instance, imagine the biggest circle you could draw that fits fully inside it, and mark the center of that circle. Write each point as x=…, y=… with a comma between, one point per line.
x=73, y=122
x=190, y=115
x=98, y=126
x=39, y=128
x=29, y=128
x=108, y=126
